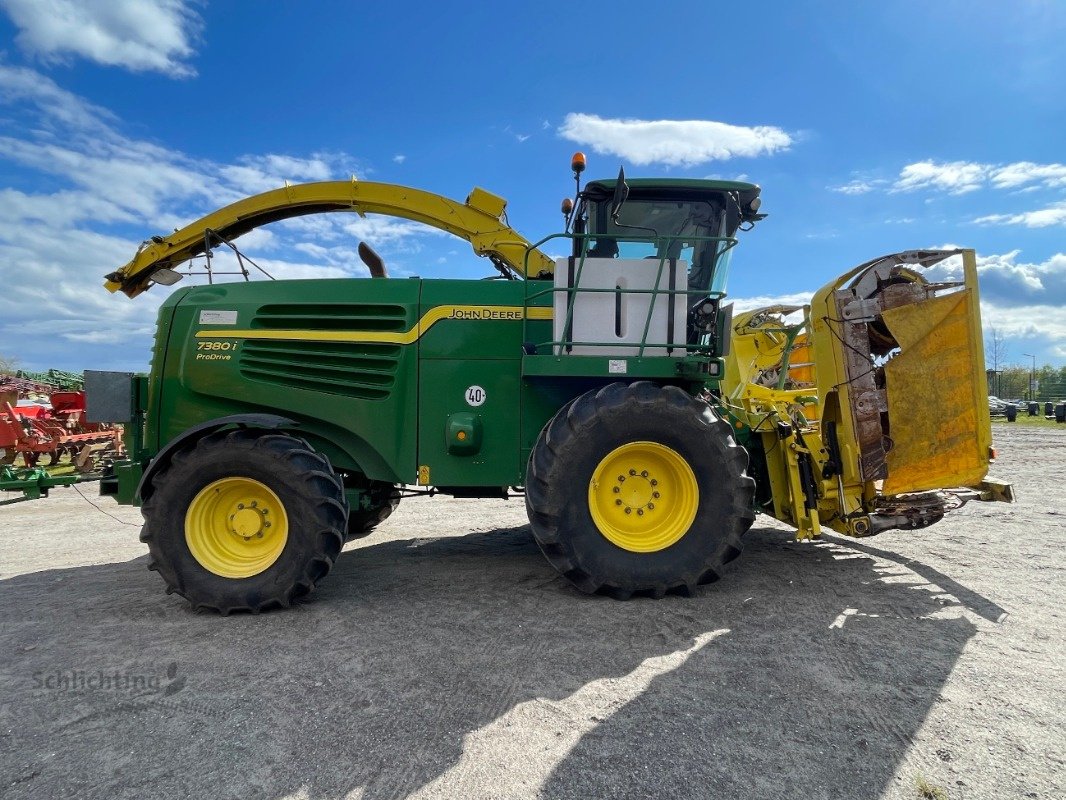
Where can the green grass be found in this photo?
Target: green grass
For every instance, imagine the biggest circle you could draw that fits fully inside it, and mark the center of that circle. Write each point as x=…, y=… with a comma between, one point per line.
x=1025, y=419
x=927, y=790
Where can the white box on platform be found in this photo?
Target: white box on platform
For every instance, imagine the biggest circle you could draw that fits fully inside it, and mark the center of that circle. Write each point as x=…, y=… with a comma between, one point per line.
x=617, y=317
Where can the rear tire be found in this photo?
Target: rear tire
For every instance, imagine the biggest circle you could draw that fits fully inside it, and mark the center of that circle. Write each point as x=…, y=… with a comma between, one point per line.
x=244, y=521
x=576, y=495
x=362, y=522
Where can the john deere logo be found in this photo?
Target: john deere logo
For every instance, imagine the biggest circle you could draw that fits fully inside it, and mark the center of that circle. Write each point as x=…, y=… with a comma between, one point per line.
x=485, y=313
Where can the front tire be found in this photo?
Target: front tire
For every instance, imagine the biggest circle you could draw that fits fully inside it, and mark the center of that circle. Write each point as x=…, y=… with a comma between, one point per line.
x=638, y=489
x=244, y=520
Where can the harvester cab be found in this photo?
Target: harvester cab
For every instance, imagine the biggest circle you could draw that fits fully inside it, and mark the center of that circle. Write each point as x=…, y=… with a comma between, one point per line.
x=612, y=386
x=689, y=226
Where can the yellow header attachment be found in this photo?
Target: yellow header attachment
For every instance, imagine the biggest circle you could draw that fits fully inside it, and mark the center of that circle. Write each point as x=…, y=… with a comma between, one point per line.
x=901, y=367
x=480, y=220
x=870, y=405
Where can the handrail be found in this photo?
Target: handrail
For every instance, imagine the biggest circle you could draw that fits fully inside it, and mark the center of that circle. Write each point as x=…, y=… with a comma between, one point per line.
x=661, y=243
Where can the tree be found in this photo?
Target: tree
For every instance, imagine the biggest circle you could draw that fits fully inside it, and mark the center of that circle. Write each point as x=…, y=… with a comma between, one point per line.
x=1013, y=382
x=995, y=357
x=8, y=363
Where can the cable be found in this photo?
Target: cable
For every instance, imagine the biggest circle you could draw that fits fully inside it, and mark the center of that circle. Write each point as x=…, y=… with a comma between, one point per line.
x=864, y=356
x=74, y=486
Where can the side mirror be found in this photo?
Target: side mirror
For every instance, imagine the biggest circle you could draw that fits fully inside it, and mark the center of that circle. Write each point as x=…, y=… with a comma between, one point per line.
x=621, y=193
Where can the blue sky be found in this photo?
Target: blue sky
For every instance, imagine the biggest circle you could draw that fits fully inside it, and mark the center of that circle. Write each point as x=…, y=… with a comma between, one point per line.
x=871, y=127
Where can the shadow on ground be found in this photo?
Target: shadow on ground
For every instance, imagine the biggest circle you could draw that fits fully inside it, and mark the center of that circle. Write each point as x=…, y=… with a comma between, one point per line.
x=804, y=673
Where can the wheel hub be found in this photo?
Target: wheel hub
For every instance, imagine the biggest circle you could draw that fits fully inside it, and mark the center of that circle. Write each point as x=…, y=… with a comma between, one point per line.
x=638, y=493
x=643, y=496
x=247, y=522
x=236, y=527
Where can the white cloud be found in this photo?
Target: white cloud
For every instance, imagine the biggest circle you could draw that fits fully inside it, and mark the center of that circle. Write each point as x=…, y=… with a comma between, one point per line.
x=519, y=137
x=681, y=143
x=385, y=230
x=62, y=208
x=965, y=177
x=140, y=35
x=1006, y=281
x=742, y=304
x=961, y=177
x=282, y=269
x=255, y=174
x=21, y=85
x=112, y=191
x=399, y=158
x=123, y=179
x=1054, y=214
x=956, y=177
x=1022, y=173
x=855, y=187
x=1044, y=323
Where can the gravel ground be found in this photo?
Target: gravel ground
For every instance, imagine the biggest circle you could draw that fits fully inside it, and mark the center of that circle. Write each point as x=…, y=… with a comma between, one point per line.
x=443, y=658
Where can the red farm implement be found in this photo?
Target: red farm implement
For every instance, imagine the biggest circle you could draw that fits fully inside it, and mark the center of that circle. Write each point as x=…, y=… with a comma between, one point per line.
x=53, y=440
x=43, y=436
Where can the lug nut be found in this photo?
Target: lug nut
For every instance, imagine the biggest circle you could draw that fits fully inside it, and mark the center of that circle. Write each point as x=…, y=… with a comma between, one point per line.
x=651, y=506
x=654, y=482
x=644, y=474
x=259, y=535
x=255, y=503
x=655, y=495
x=265, y=525
x=618, y=502
x=632, y=472
x=629, y=510
x=616, y=490
x=640, y=512
x=621, y=479
x=240, y=505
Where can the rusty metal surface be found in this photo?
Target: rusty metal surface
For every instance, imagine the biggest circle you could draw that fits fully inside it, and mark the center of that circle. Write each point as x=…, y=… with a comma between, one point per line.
x=865, y=398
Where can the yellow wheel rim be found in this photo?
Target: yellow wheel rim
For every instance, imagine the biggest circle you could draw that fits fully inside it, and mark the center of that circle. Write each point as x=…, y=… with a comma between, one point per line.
x=643, y=496
x=236, y=527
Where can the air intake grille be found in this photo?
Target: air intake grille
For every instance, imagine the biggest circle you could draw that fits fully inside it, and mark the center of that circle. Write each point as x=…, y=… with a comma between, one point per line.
x=354, y=369
x=366, y=371
x=332, y=317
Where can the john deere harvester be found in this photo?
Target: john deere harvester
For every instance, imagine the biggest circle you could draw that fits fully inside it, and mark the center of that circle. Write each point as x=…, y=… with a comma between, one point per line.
x=645, y=423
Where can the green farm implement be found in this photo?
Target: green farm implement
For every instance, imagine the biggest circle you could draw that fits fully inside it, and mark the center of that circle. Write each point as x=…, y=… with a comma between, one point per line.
x=33, y=483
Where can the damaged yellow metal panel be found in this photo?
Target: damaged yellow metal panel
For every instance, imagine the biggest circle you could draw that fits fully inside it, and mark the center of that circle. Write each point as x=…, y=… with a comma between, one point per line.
x=936, y=425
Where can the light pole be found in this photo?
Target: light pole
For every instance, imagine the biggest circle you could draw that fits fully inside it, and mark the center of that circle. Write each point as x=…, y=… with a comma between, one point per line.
x=1032, y=376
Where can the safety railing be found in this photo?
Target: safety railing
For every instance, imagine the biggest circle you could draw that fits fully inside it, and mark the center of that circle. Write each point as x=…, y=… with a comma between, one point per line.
x=662, y=245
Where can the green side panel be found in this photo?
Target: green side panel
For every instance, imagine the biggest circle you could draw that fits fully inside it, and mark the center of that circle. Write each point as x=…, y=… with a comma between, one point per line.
x=620, y=368
x=464, y=444
x=157, y=366
x=541, y=399
x=483, y=319
x=353, y=400
x=470, y=373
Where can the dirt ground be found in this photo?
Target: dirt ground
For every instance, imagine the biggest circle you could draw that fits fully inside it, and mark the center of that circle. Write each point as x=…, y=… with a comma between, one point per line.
x=443, y=658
